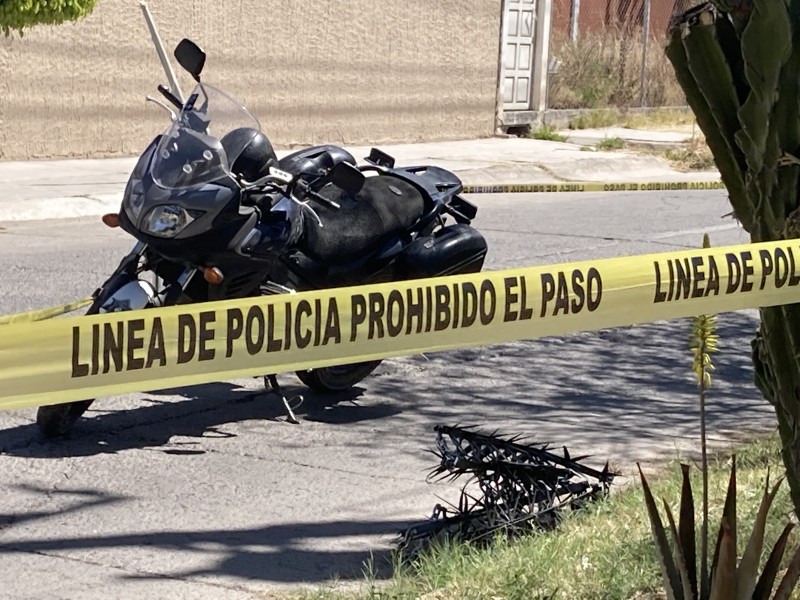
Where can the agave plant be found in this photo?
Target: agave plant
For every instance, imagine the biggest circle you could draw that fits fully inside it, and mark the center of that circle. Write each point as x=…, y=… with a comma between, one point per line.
x=727, y=580
x=683, y=578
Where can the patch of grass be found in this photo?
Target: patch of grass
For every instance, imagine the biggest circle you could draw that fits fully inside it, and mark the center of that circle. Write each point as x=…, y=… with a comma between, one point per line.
x=596, y=119
x=612, y=143
x=603, y=552
x=547, y=133
x=695, y=156
x=660, y=119
x=657, y=120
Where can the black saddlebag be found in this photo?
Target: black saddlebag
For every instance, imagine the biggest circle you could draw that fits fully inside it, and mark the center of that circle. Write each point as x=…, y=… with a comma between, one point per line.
x=449, y=251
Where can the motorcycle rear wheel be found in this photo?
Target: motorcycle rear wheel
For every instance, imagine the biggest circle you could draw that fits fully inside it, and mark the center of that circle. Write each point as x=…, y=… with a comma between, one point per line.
x=338, y=378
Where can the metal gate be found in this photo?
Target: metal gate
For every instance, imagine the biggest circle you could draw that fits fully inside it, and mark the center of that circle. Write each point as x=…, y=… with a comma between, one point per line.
x=518, y=49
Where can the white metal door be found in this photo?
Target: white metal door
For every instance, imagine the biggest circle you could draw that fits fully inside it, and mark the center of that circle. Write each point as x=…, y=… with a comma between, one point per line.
x=518, y=54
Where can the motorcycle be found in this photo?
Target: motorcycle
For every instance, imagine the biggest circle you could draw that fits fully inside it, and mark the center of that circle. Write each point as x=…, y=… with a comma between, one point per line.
x=217, y=216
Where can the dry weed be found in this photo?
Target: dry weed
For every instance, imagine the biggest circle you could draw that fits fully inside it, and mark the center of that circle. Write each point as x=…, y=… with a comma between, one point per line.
x=604, y=70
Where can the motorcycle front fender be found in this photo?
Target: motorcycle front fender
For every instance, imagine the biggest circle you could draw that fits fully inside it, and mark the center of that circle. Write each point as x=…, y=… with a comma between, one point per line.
x=124, y=290
x=133, y=295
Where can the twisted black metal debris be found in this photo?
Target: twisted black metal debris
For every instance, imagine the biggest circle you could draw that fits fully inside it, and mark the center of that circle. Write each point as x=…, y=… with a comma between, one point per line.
x=522, y=487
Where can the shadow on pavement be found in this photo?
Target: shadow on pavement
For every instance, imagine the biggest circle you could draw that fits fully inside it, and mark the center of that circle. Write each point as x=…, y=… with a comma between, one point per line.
x=200, y=412
x=89, y=499
x=619, y=387
x=277, y=553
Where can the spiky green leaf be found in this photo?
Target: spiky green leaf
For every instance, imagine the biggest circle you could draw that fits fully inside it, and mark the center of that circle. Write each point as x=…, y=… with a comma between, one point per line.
x=729, y=515
x=686, y=530
x=747, y=573
x=669, y=571
x=789, y=581
x=767, y=580
x=723, y=578
x=680, y=558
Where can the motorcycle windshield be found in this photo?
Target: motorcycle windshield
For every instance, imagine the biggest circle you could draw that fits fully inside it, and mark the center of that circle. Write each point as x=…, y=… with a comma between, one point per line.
x=199, y=147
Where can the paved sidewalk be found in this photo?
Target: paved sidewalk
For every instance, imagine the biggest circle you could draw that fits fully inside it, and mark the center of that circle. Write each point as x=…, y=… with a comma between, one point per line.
x=73, y=188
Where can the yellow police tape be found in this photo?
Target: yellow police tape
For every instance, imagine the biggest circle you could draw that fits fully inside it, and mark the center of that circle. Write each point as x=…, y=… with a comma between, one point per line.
x=45, y=313
x=591, y=186
x=83, y=357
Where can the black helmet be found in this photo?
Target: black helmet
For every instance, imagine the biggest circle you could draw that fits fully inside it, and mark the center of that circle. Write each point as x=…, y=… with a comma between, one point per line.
x=253, y=162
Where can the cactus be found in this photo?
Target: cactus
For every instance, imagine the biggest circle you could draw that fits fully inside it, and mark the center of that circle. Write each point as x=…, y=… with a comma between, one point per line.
x=738, y=63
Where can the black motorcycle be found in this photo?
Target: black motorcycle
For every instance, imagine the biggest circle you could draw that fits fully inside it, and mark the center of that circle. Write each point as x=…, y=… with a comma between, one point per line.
x=218, y=216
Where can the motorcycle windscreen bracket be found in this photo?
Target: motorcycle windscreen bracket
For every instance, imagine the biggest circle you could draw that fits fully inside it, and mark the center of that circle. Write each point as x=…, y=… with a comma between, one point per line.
x=280, y=175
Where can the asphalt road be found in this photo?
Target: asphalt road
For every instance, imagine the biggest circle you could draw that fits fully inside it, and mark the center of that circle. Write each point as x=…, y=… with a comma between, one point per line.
x=204, y=492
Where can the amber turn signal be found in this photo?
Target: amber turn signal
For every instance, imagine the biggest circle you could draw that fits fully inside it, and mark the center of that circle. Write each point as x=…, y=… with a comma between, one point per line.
x=213, y=275
x=111, y=219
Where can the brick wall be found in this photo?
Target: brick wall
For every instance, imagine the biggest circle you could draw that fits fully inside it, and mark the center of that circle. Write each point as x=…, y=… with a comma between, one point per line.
x=598, y=15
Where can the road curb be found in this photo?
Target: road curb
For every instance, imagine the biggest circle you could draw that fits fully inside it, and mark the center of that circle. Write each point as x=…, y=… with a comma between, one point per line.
x=71, y=207
x=68, y=207
x=593, y=186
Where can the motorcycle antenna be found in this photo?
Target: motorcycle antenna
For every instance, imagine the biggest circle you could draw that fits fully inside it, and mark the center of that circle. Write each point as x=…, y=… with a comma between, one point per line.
x=162, y=53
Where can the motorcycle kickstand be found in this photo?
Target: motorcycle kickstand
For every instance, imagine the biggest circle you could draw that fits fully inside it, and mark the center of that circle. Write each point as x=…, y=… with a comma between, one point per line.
x=271, y=383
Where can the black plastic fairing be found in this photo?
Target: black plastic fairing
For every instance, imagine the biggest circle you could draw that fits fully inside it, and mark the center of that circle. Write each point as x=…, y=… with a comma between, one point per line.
x=315, y=162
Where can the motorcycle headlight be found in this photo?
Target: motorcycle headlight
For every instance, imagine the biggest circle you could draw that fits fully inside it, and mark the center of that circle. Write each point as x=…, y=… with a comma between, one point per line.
x=133, y=200
x=168, y=220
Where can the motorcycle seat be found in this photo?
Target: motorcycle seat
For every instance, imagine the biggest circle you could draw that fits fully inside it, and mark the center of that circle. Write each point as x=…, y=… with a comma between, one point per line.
x=386, y=207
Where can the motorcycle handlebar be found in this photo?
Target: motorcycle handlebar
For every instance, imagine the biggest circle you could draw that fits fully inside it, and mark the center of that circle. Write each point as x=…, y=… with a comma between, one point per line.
x=323, y=200
x=307, y=192
x=170, y=97
x=299, y=189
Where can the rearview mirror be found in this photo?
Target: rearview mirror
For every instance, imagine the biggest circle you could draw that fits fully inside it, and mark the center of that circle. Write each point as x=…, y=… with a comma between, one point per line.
x=380, y=158
x=191, y=57
x=347, y=177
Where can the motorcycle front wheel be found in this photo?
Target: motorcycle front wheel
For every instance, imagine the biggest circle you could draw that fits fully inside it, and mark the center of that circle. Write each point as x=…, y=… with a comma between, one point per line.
x=57, y=420
x=337, y=378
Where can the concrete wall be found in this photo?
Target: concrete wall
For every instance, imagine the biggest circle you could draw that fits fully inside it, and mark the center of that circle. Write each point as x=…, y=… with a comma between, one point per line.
x=311, y=71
